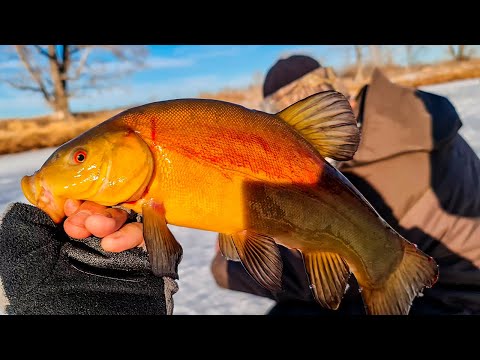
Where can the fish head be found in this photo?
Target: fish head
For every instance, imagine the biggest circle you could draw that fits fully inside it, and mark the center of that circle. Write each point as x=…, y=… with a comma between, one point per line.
x=105, y=165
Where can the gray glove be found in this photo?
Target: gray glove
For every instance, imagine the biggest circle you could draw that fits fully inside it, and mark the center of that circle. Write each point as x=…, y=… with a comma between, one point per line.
x=43, y=271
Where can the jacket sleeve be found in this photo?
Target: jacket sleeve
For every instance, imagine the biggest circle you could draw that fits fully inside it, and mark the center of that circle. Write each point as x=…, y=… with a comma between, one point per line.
x=445, y=223
x=43, y=271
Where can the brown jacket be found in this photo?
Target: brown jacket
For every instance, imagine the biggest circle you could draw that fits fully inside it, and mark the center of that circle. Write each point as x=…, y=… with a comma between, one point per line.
x=423, y=178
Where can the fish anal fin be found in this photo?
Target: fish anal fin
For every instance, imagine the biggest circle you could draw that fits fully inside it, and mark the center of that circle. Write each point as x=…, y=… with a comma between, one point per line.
x=164, y=252
x=227, y=247
x=328, y=274
x=415, y=272
x=260, y=256
x=326, y=120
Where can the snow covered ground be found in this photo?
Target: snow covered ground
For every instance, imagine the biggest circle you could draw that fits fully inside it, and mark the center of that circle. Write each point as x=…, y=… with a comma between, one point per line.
x=198, y=292
x=465, y=96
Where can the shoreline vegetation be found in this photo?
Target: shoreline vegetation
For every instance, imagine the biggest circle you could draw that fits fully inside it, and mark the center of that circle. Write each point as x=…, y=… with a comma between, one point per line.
x=17, y=135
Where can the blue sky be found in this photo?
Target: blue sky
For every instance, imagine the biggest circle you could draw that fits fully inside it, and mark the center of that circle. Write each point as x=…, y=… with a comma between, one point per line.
x=174, y=71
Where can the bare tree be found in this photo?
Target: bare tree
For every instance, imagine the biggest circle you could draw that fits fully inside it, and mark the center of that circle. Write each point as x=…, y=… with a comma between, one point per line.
x=376, y=55
x=409, y=52
x=359, y=62
x=60, y=72
x=460, y=52
x=387, y=54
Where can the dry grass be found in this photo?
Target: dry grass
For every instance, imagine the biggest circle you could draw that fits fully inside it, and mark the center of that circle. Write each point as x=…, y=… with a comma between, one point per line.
x=422, y=75
x=20, y=135
x=418, y=75
x=250, y=97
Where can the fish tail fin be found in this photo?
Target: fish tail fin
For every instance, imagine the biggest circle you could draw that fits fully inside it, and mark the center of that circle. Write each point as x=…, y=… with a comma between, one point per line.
x=415, y=272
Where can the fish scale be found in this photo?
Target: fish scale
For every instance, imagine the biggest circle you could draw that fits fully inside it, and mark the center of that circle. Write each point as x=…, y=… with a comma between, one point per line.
x=231, y=138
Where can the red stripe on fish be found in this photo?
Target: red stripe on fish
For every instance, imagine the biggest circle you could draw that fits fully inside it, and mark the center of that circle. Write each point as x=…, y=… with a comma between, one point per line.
x=153, y=129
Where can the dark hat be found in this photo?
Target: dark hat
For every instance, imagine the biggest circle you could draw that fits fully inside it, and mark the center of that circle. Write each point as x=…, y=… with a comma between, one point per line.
x=284, y=71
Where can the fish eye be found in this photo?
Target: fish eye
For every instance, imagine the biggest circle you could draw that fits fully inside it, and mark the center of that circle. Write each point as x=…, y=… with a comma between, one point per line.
x=79, y=156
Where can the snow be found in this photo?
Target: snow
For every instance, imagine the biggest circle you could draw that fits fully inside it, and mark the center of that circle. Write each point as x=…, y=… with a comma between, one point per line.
x=13, y=167
x=198, y=293
x=465, y=96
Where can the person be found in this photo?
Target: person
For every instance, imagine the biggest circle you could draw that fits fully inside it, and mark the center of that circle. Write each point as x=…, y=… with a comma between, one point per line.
x=415, y=169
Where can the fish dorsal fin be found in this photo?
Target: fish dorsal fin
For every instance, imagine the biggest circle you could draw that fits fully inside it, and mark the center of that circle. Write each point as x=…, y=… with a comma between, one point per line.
x=327, y=121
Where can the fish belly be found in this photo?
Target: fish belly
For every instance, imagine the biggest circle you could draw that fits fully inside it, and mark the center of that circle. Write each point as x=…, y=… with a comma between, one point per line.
x=198, y=195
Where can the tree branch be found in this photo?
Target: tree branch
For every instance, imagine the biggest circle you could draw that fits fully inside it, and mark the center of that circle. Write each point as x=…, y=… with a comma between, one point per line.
x=42, y=51
x=451, y=50
x=65, y=57
x=65, y=66
x=81, y=64
x=59, y=85
x=126, y=53
x=74, y=49
x=33, y=72
x=22, y=86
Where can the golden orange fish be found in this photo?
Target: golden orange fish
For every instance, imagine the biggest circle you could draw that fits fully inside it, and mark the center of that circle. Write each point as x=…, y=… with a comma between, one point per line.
x=255, y=178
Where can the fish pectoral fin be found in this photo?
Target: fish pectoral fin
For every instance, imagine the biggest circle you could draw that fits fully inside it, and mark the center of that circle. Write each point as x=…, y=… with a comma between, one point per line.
x=164, y=252
x=415, y=272
x=327, y=121
x=328, y=274
x=227, y=247
x=260, y=256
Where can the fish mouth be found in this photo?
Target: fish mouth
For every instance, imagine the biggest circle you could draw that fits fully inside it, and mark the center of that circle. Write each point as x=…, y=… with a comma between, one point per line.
x=39, y=195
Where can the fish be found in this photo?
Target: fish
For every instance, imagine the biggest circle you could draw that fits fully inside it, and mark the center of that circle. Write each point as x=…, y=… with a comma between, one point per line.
x=258, y=179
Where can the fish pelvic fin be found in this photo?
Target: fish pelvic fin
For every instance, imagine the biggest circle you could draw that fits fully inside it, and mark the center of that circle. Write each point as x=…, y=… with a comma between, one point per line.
x=164, y=252
x=328, y=274
x=415, y=272
x=261, y=258
x=227, y=247
x=327, y=121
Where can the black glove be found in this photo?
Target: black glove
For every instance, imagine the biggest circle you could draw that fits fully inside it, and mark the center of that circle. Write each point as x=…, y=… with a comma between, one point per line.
x=44, y=271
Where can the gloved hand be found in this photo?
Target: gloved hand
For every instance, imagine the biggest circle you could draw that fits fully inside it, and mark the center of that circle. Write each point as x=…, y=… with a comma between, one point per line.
x=43, y=271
